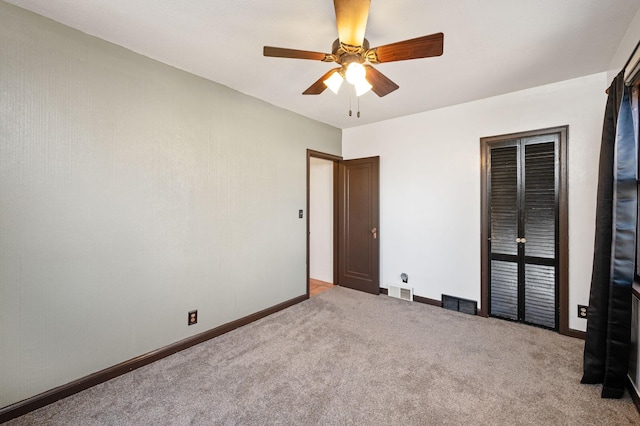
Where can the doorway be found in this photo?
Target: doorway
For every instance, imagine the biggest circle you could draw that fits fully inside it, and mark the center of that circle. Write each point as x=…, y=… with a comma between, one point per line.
x=321, y=229
x=525, y=228
x=321, y=225
x=355, y=224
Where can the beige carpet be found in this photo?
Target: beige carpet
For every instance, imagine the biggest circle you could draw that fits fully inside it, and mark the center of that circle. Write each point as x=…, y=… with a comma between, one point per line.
x=346, y=357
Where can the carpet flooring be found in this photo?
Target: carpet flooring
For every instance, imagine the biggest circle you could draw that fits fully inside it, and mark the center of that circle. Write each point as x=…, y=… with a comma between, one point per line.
x=345, y=357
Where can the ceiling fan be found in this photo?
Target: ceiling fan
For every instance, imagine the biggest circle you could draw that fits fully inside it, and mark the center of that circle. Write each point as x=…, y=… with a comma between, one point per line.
x=351, y=51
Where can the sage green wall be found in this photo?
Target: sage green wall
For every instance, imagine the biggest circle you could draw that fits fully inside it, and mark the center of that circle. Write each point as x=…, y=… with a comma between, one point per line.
x=130, y=193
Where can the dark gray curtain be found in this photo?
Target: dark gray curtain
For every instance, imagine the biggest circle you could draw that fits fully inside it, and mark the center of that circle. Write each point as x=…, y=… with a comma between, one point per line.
x=607, y=345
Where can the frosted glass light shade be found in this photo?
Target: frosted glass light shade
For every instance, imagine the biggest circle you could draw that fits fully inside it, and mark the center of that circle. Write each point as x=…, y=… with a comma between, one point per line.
x=362, y=87
x=355, y=73
x=334, y=82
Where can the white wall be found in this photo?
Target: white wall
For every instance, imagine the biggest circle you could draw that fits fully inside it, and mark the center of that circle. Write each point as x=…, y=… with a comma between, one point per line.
x=130, y=193
x=430, y=184
x=321, y=219
x=625, y=48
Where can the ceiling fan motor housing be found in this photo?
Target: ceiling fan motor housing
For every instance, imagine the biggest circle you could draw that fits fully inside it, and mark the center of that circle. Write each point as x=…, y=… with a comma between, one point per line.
x=345, y=54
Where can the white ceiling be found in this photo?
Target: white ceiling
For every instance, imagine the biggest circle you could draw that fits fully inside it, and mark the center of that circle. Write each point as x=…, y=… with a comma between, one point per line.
x=491, y=47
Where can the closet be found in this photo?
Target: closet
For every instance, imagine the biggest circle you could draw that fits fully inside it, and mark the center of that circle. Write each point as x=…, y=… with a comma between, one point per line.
x=521, y=198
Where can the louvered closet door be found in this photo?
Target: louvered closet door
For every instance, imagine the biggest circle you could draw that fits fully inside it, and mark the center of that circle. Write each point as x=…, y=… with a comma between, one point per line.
x=523, y=223
x=540, y=231
x=504, y=229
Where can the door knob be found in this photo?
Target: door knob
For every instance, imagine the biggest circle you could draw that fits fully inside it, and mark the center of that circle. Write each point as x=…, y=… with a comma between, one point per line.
x=374, y=232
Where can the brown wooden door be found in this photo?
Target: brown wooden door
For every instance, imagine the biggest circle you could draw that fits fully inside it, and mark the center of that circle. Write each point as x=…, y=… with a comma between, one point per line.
x=358, y=214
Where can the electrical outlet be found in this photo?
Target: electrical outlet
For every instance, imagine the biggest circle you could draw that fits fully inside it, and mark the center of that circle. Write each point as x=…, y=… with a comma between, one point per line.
x=192, y=318
x=582, y=311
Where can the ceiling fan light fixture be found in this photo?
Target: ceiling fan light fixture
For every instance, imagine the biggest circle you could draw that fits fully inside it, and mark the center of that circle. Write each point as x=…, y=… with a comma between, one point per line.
x=362, y=87
x=334, y=82
x=352, y=52
x=355, y=73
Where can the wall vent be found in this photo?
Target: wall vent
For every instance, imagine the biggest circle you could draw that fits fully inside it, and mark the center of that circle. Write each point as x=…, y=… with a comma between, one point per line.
x=404, y=293
x=460, y=305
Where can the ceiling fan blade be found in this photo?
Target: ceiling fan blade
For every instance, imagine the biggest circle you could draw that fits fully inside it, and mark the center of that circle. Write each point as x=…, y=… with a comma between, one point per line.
x=421, y=47
x=351, y=19
x=280, y=52
x=319, y=86
x=381, y=84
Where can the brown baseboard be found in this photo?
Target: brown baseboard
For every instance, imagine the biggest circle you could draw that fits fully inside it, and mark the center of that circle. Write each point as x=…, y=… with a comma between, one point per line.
x=30, y=404
x=427, y=301
x=418, y=299
x=576, y=333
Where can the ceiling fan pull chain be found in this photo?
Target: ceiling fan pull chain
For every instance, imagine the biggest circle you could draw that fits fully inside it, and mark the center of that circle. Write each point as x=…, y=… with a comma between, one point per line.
x=358, y=106
x=350, y=113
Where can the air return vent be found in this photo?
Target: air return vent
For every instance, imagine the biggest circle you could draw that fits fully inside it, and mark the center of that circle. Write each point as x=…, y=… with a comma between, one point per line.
x=459, y=304
x=404, y=293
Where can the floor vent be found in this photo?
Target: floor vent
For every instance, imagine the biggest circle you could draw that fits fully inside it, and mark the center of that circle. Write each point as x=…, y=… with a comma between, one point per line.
x=403, y=293
x=460, y=305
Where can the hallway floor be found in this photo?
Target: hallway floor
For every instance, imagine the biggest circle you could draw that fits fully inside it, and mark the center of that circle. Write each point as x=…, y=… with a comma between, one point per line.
x=317, y=286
